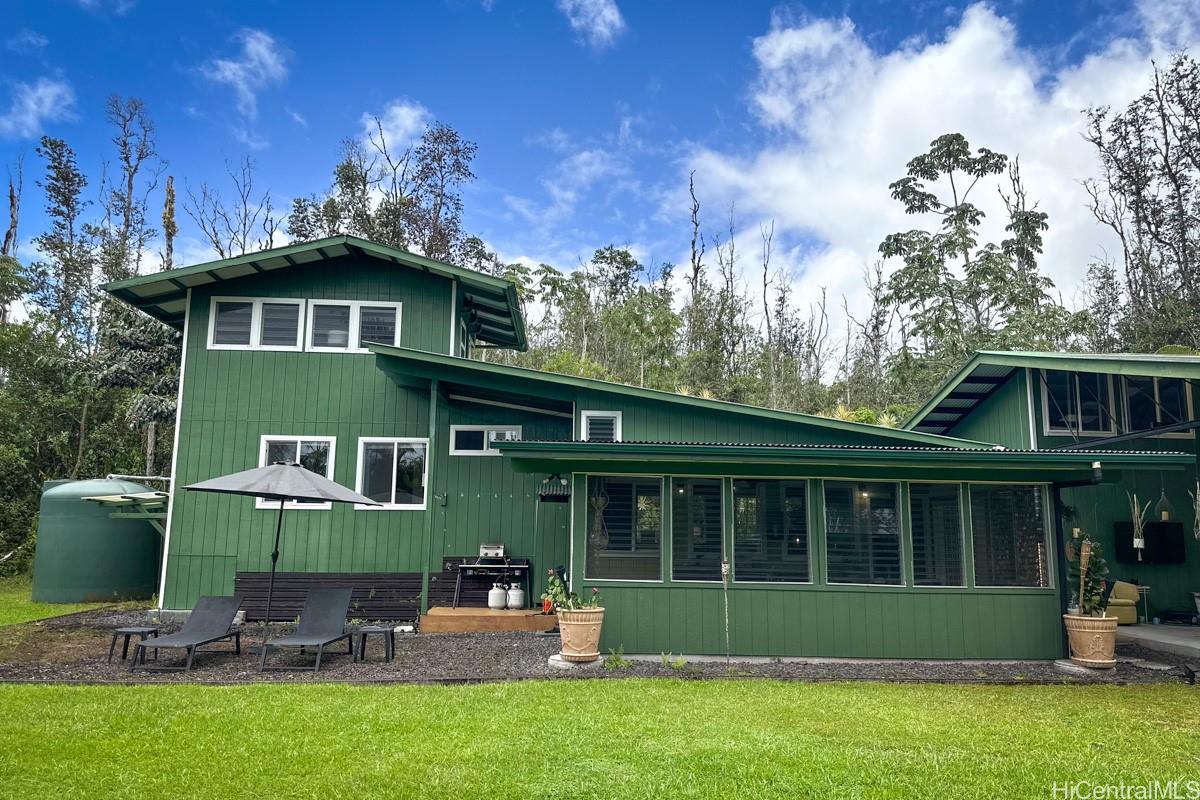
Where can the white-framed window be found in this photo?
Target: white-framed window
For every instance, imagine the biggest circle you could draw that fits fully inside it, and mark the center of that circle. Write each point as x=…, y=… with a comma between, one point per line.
x=1153, y=402
x=600, y=426
x=255, y=323
x=477, y=440
x=311, y=452
x=1077, y=403
x=348, y=326
x=393, y=472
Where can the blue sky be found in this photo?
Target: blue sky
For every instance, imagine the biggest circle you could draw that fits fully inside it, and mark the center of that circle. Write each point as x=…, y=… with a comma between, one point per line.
x=589, y=114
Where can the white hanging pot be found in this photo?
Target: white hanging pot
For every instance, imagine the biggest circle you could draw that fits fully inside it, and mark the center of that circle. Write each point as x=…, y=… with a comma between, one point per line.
x=516, y=596
x=497, y=597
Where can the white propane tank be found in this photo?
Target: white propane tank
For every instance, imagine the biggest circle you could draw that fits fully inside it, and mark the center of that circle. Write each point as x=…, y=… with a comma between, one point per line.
x=497, y=597
x=516, y=596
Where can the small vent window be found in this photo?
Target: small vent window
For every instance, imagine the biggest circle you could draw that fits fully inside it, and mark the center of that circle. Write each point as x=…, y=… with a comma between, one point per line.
x=601, y=426
x=480, y=440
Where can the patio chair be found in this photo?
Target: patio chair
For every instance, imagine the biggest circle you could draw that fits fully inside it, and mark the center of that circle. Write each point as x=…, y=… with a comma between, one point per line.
x=322, y=622
x=210, y=621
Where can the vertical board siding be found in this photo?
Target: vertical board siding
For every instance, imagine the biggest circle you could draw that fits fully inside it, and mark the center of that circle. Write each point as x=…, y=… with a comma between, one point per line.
x=1003, y=418
x=231, y=398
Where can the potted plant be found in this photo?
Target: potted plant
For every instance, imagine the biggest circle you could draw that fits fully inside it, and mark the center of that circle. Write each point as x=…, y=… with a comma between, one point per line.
x=579, y=621
x=1091, y=633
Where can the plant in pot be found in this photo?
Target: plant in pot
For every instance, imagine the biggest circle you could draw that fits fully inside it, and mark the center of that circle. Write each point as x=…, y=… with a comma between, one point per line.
x=579, y=621
x=1091, y=633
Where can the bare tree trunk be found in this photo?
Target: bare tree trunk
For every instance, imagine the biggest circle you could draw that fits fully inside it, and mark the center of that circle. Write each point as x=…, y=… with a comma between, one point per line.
x=151, y=443
x=9, y=246
x=170, y=227
x=83, y=432
x=767, y=236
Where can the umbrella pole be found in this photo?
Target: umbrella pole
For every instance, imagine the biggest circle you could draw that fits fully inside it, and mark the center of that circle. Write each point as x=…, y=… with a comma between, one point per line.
x=271, y=582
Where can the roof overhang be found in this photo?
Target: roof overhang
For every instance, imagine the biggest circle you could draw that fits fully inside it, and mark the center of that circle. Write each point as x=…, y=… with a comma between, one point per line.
x=812, y=461
x=406, y=365
x=987, y=370
x=489, y=305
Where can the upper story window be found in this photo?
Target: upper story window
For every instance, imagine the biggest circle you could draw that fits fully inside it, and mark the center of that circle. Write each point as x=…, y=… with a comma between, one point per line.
x=1154, y=402
x=254, y=323
x=341, y=326
x=1077, y=402
x=478, y=440
x=600, y=426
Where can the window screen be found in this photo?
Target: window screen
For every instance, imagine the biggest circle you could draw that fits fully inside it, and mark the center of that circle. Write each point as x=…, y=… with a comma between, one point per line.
x=624, y=528
x=696, y=529
x=331, y=326
x=1008, y=532
x=376, y=324
x=862, y=533
x=232, y=323
x=770, y=531
x=280, y=325
x=936, y=534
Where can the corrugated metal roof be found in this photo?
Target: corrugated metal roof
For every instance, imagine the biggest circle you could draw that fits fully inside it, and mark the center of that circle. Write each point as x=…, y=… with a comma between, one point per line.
x=1080, y=455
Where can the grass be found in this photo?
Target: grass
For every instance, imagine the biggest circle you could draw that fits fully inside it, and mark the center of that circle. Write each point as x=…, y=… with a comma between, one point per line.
x=628, y=738
x=16, y=605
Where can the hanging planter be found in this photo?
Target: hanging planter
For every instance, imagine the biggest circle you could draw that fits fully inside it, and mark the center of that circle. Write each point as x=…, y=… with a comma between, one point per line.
x=1137, y=514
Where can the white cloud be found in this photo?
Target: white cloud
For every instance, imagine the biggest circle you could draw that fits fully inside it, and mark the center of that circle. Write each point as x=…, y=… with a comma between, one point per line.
x=843, y=121
x=598, y=22
x=402, y=121
x=118, y=7
x=261, y=63
x=33, y=105
x=26, y=41
x=296, y=117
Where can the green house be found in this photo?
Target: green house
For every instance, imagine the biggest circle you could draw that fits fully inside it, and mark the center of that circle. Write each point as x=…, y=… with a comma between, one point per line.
x=702, y=522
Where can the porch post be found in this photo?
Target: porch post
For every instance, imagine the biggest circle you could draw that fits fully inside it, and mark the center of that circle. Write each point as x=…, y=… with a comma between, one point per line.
x=431, y=503
x=1060, y=565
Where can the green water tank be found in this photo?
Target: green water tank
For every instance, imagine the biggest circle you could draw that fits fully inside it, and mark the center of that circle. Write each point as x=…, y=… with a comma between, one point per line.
x=84, y=555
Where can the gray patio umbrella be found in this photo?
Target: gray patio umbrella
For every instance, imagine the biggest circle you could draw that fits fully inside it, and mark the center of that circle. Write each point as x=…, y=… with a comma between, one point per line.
x=280, y=481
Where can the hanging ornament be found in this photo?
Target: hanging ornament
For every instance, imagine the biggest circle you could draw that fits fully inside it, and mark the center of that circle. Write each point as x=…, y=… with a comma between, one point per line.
x=1138, y=518
x=1163, y=510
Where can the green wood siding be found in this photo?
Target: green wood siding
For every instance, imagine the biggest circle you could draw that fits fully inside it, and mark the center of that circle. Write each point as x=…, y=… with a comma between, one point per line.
x=1003, y=418
x=231, y=398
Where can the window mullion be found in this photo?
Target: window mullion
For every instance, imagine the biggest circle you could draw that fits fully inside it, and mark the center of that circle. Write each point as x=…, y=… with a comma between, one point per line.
x=395, y=470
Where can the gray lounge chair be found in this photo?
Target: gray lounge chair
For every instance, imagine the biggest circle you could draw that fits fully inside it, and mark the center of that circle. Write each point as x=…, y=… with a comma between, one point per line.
x=322, y=622
x=210, y=621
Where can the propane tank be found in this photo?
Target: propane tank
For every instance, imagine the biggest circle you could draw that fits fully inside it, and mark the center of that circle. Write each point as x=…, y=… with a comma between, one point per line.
x=497, y=597
x=516, y=596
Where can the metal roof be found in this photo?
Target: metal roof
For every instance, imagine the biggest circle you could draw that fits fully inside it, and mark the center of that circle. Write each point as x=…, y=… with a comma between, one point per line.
x=551, y=385
x=490, y=303
x=989, y=369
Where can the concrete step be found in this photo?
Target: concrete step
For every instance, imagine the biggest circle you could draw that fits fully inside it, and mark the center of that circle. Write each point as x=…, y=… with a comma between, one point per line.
x=486, y=620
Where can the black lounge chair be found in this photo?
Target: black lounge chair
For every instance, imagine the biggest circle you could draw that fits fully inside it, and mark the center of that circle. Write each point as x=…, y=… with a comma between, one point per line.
x=210, y=621
x=322, y=622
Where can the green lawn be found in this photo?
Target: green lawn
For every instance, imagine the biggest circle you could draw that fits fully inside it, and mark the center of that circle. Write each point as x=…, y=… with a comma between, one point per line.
x=626, y=739
x=15, y=605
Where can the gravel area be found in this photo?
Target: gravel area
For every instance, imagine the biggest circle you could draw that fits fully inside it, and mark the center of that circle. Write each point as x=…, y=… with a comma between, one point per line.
x=74, y=648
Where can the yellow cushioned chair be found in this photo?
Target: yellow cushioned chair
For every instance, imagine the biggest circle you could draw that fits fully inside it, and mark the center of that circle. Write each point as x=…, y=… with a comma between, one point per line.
x=1123, y=602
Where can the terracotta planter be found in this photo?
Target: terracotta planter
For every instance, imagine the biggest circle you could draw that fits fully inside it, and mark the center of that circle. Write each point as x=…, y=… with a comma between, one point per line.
x=580, y=633
x=1093, y=640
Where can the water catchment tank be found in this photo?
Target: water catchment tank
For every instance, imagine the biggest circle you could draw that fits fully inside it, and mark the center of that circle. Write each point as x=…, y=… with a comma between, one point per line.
x=84, y=555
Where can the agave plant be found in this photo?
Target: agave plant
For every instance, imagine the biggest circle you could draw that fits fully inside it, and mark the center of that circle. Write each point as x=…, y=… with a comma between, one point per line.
x=1138, y=516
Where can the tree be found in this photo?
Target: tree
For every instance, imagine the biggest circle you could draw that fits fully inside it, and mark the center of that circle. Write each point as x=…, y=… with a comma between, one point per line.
x=243, y=226
x=1148, y=194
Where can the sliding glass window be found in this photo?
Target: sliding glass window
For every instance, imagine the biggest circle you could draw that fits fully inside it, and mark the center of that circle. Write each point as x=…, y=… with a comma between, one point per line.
x=696, y=529
x=937, y=534
x=862, y=533
x=1008, y=533
x=624, y=528
x=770, y=531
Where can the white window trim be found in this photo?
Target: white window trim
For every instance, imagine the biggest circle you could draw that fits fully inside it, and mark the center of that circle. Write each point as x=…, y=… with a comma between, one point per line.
x=256, y=304
x=1187, y=388
x=584, y=416
x=903, y=584
x=353, y=345
x=1112, y=408
x=393, y=440
x=264, y=503
x=487, y=443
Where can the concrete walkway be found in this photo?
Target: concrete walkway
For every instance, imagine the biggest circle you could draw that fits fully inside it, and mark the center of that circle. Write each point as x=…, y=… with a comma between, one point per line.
x=1180, y=640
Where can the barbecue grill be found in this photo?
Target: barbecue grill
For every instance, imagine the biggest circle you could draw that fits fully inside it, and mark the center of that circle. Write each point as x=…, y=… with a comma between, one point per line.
x=492, y=563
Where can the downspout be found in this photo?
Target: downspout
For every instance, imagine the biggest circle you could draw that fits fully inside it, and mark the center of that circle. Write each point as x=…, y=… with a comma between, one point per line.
x=1060, y=549
x=434, y=504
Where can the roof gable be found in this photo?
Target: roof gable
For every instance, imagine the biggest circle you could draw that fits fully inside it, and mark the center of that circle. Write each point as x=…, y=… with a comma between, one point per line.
x=490, y=304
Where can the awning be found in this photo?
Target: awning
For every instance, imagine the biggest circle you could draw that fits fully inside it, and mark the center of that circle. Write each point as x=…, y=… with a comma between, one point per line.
x=832, y=461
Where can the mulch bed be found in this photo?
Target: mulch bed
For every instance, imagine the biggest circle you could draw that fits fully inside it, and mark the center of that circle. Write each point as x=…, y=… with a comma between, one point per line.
x=74, y=648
